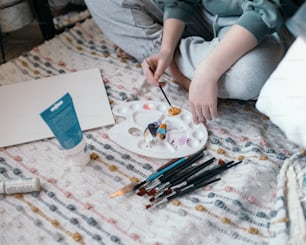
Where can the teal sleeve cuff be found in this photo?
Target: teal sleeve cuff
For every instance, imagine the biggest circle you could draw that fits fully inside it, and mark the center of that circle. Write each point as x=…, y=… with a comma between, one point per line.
x=253, y=22
x=297, y=24
x=182, y=13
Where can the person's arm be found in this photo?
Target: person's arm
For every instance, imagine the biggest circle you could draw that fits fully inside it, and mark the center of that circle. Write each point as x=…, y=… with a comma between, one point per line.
x=172, y=32
x=203, y=89
x=258, y=20
x=176, y=14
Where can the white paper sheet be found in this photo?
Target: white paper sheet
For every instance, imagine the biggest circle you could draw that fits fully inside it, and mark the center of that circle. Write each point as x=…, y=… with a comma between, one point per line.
x=21, y=105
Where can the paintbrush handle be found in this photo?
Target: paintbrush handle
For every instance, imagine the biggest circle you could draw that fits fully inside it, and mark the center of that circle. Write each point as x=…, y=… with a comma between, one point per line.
x=174, y=160
x=167, y=164
x=190, y=188
x=167, y=176
x=164, y=170
x=195, y=183
x=169, y=167
x=203, y=176
x=161, y=88
x=180, y=178
x=211, y=173
x=137, y=186
x=164, y=187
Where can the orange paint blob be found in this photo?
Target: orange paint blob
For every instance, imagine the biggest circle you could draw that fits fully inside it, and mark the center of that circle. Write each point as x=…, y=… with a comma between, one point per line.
x=174, y=111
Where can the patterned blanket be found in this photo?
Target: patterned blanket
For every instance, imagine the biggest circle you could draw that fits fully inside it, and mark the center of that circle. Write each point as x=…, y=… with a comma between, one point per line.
x=260, y=201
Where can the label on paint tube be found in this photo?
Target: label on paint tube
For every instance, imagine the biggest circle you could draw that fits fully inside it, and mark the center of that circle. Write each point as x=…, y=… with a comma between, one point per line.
x=62, y=120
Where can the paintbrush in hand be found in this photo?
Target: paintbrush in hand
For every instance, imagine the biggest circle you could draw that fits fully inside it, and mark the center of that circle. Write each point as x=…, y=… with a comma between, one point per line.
x=159, y=84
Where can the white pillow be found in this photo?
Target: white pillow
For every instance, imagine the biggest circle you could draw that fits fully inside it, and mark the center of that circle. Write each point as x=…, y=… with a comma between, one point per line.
x=283, y=97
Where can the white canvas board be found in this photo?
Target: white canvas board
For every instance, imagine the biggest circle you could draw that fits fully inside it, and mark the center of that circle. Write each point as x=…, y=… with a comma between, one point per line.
x=21, y=104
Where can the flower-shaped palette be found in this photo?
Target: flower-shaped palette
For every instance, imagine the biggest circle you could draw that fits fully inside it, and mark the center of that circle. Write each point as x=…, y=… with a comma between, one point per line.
x=183, y=137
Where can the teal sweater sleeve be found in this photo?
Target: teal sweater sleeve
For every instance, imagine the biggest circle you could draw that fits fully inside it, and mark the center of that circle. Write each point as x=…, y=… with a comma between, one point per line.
x=178, y=9
x=263, y=17
x=260, y=17
x=297, y=24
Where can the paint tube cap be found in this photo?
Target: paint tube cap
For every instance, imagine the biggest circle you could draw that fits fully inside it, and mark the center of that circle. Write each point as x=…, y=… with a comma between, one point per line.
x=79, y=154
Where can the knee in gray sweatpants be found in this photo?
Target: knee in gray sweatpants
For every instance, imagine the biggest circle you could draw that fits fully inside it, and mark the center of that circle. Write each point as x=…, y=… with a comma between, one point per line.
x=245, y=78
x=136, y=27
x=133, y=25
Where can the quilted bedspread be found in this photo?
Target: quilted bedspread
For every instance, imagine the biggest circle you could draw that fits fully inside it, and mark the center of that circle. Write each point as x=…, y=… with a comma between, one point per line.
x=260, y=201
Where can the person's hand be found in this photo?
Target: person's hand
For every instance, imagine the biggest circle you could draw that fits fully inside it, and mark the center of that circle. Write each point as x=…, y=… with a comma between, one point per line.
x=203, y=89
x=203, y=96
x=151, y=73
x=155, y=65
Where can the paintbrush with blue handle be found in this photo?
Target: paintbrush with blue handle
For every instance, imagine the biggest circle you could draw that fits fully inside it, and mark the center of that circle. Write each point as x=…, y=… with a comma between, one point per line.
x=162, y=170
x=165, y=174
x=180, y=176
x=194, y=181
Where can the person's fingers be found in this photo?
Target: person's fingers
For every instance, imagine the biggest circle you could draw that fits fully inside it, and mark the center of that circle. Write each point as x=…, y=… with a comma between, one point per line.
x=158, y=72
x=193, y=112
x=162, y=84
x=214, y=111
x=199, y=113
x=148, y=73
x=205, y=113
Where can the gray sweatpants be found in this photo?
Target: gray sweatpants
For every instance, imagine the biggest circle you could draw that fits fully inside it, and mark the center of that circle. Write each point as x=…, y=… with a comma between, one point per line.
x=60, y=4
x=136, y=27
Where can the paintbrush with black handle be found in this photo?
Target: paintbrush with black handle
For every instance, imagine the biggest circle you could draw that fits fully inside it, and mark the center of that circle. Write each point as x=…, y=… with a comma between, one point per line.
x=180, y=177
x=169, y=166
x=206, y=174
x=198, y=178
x=167, y=175
x=181, y=192
x=159, y=84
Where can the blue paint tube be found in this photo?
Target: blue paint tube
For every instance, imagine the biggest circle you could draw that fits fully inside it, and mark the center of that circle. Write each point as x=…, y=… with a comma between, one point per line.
x=62, y=119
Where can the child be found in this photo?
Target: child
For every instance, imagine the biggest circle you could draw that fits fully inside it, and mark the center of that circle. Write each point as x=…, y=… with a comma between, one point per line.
x=213, y=48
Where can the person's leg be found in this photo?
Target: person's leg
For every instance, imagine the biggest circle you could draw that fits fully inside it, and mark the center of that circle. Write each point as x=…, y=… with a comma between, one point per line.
x=135, y=26
x=58, y=4
x=246, y=77
x=191, y=51
x=77, y=2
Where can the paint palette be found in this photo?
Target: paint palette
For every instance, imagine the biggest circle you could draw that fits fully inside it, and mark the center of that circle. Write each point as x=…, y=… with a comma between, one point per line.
x=183, y=137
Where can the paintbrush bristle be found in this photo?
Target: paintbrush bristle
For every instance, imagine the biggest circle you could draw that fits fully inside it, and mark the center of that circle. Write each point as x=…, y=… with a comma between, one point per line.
x=126, y=189
x=141, y=192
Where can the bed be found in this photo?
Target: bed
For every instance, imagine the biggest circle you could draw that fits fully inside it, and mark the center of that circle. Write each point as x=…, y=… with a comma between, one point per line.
x=260, y=201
